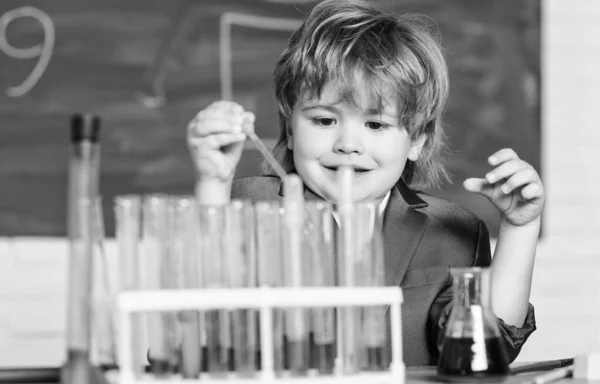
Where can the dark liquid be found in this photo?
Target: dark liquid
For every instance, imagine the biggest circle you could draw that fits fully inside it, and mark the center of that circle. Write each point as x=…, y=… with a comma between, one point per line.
x=322, y=358
x=377, y=359
x=458, y=360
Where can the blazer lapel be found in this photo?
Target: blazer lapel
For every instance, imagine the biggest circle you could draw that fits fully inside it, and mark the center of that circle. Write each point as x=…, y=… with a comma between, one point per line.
x=403, y=228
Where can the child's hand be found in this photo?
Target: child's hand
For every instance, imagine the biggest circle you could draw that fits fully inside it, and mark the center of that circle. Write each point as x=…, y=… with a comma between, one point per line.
x=513, y=186
x=216, y=140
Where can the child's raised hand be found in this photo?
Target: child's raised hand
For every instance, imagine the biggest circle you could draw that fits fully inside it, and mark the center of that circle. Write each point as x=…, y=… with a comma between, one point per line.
x=513, y=186
x=216, y=139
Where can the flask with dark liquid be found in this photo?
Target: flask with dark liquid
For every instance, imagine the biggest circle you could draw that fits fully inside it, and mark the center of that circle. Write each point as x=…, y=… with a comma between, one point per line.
x=472, y=348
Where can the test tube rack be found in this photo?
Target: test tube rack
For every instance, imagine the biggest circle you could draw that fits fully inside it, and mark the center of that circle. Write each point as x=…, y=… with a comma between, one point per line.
x=264, y=299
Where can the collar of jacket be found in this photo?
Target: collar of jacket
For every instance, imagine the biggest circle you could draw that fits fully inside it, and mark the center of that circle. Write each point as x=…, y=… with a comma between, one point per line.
x=407, y=194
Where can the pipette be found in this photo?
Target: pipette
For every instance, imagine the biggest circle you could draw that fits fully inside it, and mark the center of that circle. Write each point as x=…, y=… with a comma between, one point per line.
x=296, y=319
x=262, y=148
x=347, y=344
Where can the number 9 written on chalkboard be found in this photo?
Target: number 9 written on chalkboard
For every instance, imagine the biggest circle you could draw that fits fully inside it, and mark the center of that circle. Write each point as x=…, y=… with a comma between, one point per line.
x=42, y=51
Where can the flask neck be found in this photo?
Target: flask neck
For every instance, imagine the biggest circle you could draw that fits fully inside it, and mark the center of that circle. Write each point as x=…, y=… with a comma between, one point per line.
x=472, y=288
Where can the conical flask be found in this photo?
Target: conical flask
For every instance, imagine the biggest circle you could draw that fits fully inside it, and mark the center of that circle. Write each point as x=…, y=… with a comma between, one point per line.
x=472, y=347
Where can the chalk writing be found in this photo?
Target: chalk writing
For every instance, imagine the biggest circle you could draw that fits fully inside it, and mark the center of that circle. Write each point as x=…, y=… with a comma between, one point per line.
x=43, y=51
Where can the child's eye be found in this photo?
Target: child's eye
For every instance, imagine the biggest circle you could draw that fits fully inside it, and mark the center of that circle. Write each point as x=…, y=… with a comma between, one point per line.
x=376, y=125
x=324, y=121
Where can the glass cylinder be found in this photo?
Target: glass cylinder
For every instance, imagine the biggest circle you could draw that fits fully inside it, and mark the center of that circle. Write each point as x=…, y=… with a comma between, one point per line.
x=370, y=272
x=154, y=270
x=218, y=321
x=241, y=270
x=319, y=251
x=269, y=252
x=297, y=274
x=185, y=247
x=472, y=348
x=128, y=213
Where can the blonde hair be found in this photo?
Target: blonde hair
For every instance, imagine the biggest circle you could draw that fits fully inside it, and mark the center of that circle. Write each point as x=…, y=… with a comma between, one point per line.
x=395, y=54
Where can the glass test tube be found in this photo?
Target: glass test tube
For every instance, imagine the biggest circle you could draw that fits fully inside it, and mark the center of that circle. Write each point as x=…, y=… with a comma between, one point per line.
x=241, y=267
x=217, y=321
x=295, y=275
x=154, y=238
x=349, y=357
x=319, y=249
x=270, y=267
x=186, y=249
x=104, y=321
x=370, y=271
x=127, y=230
x=84, y=166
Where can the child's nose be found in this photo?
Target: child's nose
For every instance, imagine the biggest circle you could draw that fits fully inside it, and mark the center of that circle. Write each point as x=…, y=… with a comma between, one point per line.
x=348, y=141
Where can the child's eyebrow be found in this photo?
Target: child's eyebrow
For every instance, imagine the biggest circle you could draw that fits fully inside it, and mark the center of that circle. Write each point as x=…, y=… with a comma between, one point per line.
x=330, y=108
x=378, y=112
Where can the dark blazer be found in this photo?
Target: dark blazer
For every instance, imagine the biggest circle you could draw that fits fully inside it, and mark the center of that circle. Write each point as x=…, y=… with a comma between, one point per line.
x=423, y=237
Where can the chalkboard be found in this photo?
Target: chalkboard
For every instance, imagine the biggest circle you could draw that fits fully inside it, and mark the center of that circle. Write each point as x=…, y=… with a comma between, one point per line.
x=147, y=66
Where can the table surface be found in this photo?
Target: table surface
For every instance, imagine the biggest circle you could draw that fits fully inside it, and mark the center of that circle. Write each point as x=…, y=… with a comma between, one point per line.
x=422, y=375
x=427, y=375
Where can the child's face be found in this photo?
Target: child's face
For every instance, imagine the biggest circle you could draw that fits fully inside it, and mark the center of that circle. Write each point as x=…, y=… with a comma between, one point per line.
x=329, y=132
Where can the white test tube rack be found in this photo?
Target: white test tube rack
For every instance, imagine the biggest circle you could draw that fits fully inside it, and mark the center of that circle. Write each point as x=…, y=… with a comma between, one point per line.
x=264, y=299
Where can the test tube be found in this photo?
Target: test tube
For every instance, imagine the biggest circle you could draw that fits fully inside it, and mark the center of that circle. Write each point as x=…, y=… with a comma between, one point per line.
x=185, y=244
x=269, y=250
x=369, y=268
x=127, y=230
x=218, y=323
x=154, y=239
x=320, y=250
x=296, y=319
x=241, y=267
x=84, y=165
x=349, y=352
x=103, y=334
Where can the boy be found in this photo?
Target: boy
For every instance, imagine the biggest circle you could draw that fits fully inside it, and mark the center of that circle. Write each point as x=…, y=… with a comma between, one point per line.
x=360, y=86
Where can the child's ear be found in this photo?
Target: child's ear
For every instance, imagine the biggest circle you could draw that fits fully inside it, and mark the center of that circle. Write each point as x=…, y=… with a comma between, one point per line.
x=416, y=145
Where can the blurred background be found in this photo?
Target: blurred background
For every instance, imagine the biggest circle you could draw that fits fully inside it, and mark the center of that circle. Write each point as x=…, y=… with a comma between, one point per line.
x=147, y=66
x=523, y=75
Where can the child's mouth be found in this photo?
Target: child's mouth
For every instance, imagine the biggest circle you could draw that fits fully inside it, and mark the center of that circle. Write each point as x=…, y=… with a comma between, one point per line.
x=356, y=169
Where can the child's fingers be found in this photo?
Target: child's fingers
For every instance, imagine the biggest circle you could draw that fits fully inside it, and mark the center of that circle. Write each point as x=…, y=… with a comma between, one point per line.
x=248, y=122
x=532, y=191
x=505, y=170
x=519, y=179
x=478, y=186
x=208, y=126
x=217, y=140
x=502, y=156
